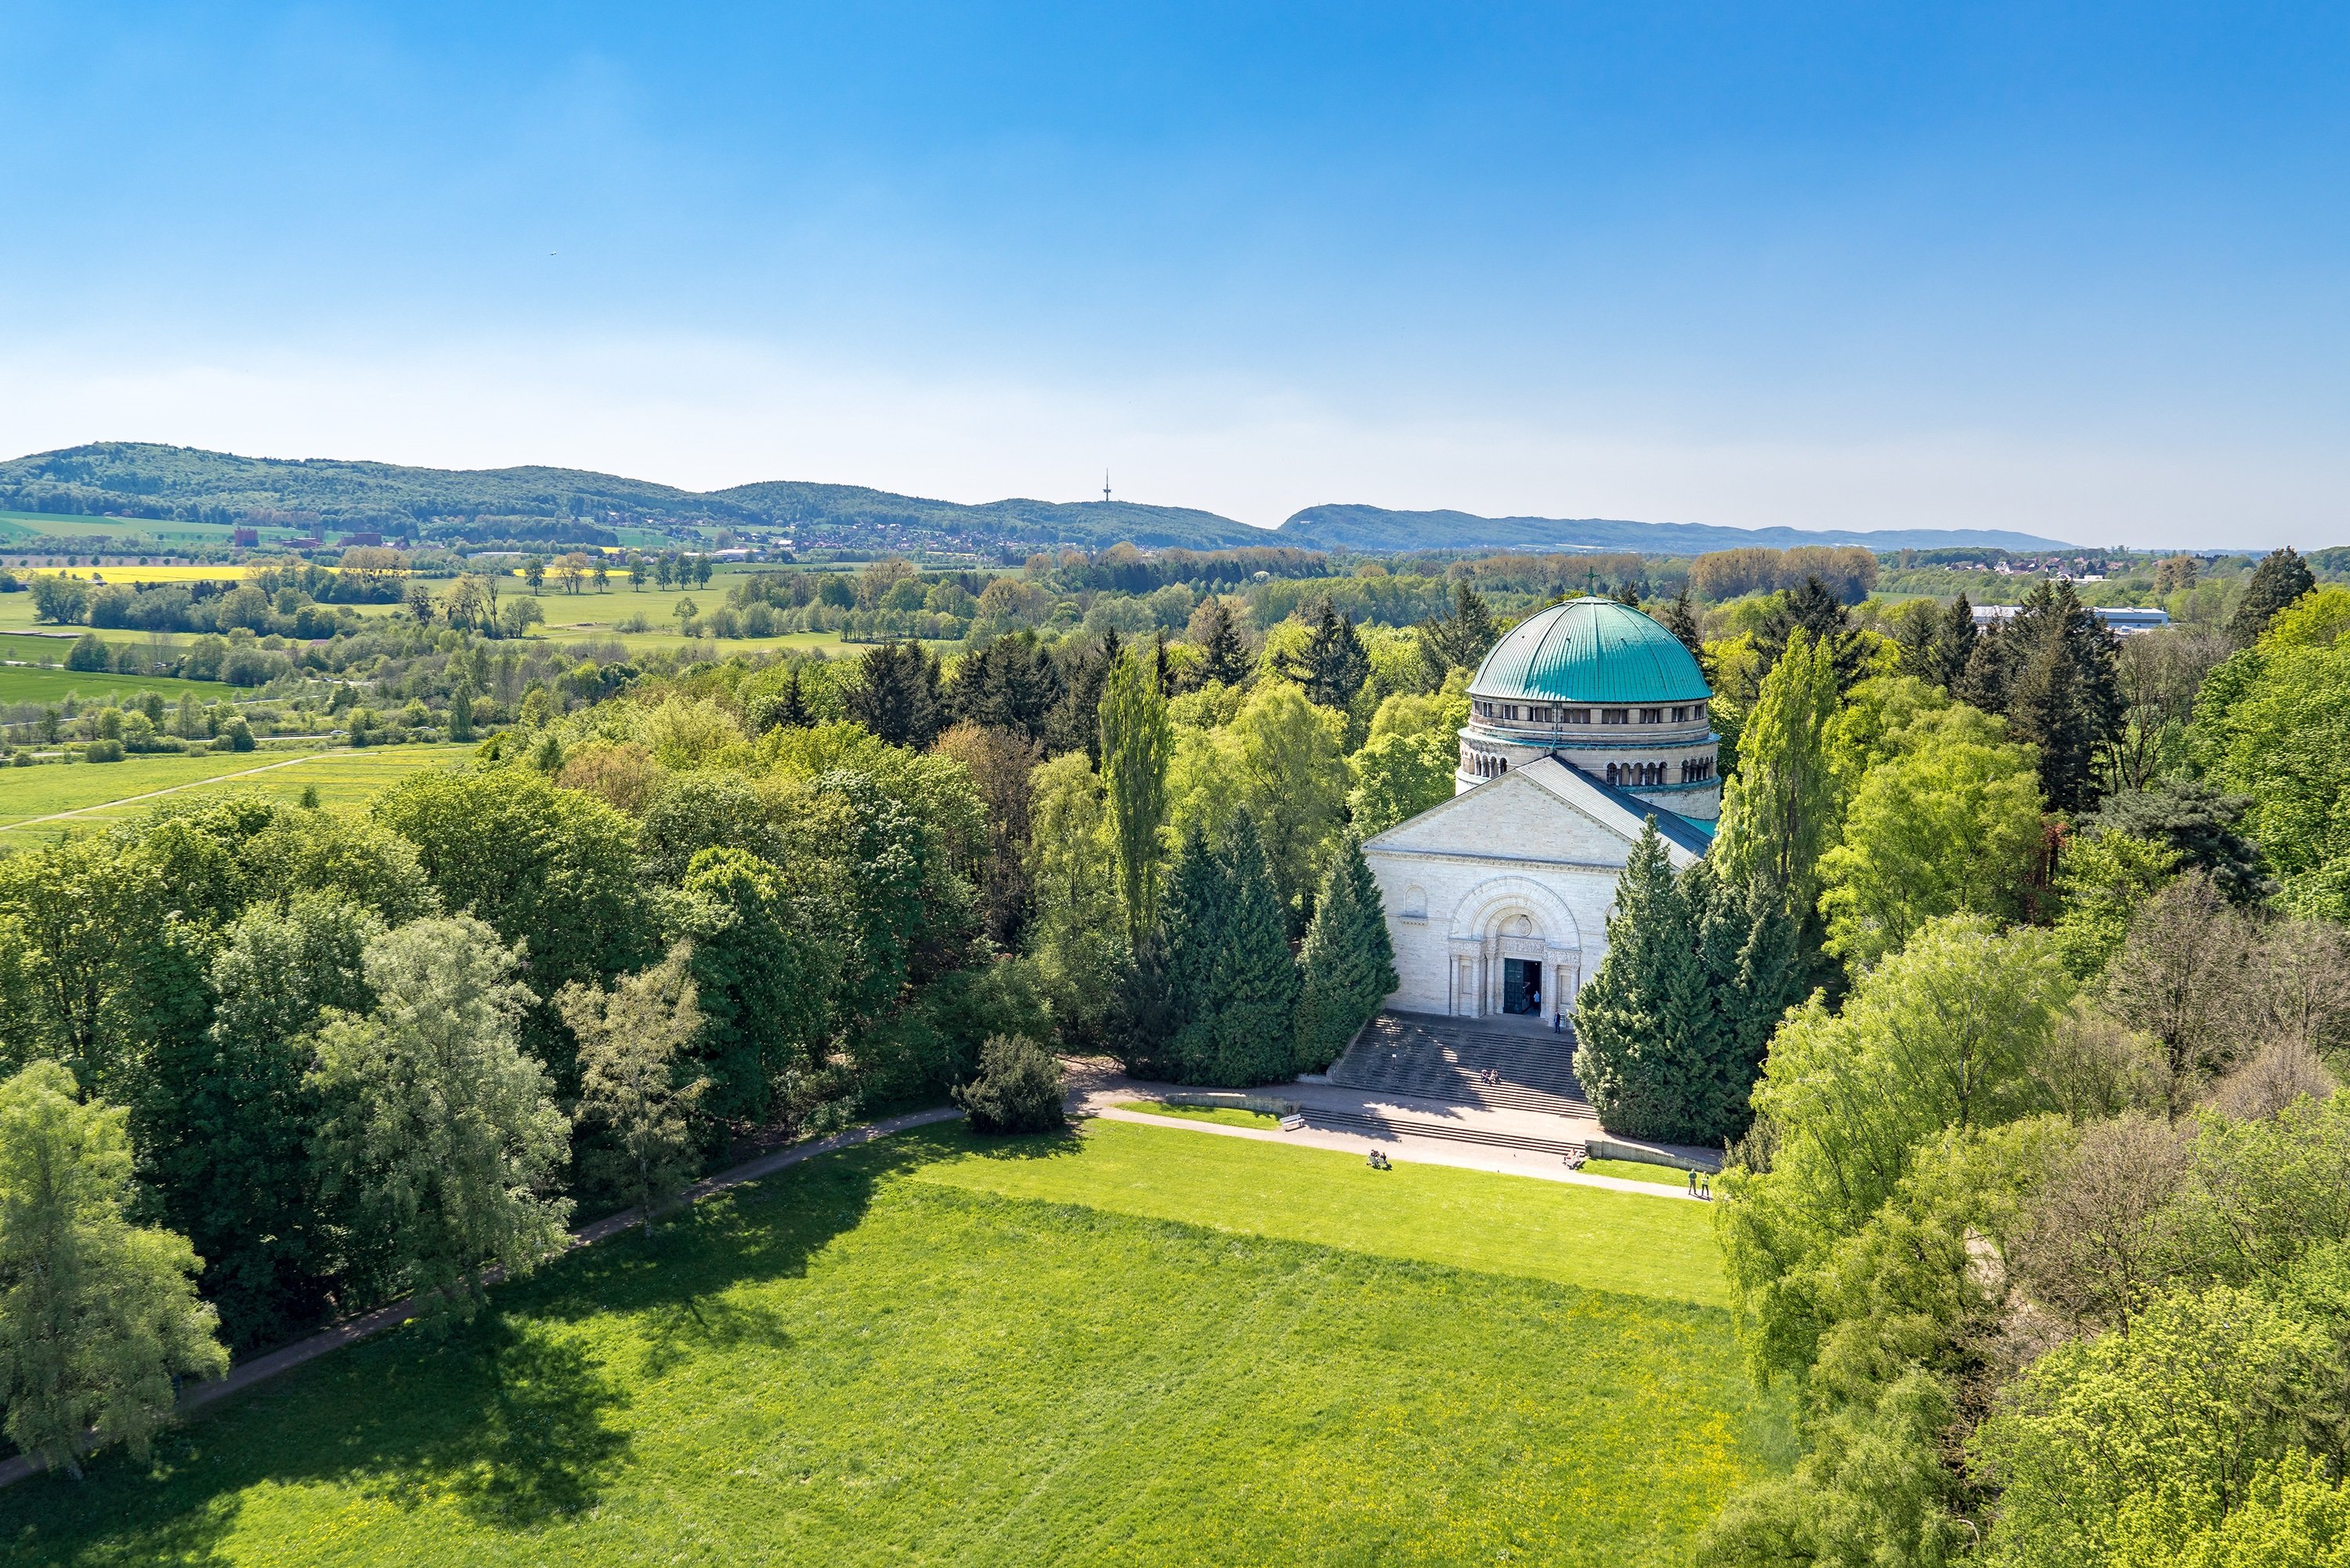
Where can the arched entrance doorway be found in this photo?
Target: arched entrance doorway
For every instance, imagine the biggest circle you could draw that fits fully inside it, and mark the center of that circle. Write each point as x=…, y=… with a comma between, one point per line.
x=1515, y=952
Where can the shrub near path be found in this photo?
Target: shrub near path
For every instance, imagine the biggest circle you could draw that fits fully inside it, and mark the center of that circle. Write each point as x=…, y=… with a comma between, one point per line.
x=875, y=1359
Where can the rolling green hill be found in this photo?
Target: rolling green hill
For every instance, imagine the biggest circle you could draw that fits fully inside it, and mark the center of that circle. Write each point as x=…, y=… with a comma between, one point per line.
x=146, y=489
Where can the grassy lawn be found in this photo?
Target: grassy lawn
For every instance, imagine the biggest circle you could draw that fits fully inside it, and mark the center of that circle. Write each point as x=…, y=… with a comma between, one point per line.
x=1637, y=1170
x=890, y=1355
x=1229, y=1116
x=91, y=789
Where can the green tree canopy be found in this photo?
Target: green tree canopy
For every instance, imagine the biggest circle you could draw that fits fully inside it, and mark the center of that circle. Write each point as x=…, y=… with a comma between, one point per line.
x=98, y=1316
x=1778, y=814
x=442, y=1133
x=1137, y=747
x=632, y=1095
x=2282, y=577
x=1951, y=826
x=1347, y=961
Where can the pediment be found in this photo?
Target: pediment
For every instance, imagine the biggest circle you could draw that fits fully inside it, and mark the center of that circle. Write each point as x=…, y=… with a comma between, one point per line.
x=1542, y=811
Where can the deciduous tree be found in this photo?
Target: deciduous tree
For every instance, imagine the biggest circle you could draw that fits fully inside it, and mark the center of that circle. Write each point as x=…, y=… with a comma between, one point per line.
x=635, y=1087
x=98, y=1316
x=441, y=1133
x=1137, y=746
x=1778, y=814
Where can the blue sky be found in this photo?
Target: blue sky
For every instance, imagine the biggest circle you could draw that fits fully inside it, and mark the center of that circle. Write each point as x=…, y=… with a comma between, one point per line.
x=2077, y=271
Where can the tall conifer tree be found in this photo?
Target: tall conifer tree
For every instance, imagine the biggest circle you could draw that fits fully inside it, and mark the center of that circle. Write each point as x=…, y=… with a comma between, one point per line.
x=1189, y=943
x=2282, y=577
x=1349, y=960
x=1257, y=981
x=1954, y=644
x=1628, y=1018
x=1226, y=657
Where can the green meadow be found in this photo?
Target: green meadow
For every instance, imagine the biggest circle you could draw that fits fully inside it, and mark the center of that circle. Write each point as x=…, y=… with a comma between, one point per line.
x=102, y=792
x=1141, y=1345
x=22, y=683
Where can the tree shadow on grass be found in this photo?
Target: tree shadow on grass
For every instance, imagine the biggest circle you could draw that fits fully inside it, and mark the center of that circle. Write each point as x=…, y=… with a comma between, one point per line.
x=539, y=1442
x=677, y=1330
x=511, y=1415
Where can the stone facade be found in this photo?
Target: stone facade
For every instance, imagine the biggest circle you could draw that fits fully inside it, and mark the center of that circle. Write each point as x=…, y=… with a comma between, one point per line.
x=1522, y=866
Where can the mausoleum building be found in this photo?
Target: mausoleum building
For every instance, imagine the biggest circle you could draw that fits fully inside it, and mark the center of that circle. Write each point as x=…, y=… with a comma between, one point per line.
x=1586, y=719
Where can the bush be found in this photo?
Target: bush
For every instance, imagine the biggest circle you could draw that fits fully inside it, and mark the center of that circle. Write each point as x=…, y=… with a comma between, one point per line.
x=102, y=750
x=1018, y=1089
x=89, y=653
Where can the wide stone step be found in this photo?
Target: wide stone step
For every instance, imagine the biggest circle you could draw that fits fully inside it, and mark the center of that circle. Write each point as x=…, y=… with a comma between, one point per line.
x=1443, y=1059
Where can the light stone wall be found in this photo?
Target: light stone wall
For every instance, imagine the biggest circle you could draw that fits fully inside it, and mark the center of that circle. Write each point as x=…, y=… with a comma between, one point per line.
x=1455, y=879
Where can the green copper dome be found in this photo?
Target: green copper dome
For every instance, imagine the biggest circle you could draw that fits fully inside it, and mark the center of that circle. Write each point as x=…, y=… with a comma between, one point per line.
x=1590, y=650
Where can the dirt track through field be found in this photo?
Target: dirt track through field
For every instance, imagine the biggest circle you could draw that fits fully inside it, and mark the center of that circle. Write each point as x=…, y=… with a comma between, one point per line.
x=173, y=789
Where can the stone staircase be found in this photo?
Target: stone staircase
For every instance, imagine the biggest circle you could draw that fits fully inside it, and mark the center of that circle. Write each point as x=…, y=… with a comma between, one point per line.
x=1433, y=1058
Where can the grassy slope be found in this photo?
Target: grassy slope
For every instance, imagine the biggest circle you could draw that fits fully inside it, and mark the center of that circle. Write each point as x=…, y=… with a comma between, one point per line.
x=343, y=778
x=1469, y=1218
x=1227, y=1115
x=1635, y=1170
x=881, y=1356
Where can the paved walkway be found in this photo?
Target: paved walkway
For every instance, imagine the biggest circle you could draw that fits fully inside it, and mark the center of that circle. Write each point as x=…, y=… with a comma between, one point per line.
x=1096, y=1084
x=196, y=1395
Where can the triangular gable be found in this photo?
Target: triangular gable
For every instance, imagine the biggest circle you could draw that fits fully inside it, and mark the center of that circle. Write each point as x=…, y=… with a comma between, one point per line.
x=1584, y=802
x=1571, y=782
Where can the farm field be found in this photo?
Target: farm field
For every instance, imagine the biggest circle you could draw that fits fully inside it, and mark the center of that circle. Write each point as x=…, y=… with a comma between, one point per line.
x=98, y=793
x=31, y=683
x=214, y=572
x=63, y=525
x=935, y=1349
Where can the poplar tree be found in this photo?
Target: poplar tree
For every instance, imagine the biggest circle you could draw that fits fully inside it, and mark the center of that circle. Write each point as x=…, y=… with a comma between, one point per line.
x=98, y=1316
x=1778, y=811
x=1136, y=745
x=1348, y=962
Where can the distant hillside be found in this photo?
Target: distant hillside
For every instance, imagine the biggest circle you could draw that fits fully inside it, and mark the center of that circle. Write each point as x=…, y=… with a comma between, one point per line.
x=1377, y=530
x=792, y=503
x=159, y=483
x=132, y=479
